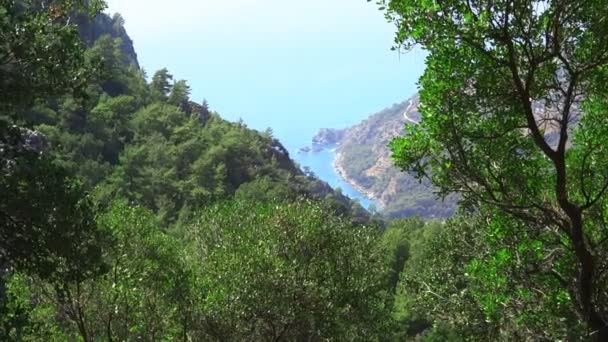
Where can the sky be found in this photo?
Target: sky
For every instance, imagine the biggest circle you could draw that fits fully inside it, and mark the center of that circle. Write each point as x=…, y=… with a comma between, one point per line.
x=294, y=66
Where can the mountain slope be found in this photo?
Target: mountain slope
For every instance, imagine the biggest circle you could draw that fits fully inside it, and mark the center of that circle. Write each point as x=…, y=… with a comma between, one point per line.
x=363, y=159
x=145, y=141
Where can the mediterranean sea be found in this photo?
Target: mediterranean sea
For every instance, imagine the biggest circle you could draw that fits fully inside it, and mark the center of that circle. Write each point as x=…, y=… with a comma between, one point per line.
x=321, y=163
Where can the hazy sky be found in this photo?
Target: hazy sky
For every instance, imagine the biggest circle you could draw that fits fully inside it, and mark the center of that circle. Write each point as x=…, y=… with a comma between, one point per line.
x=291, y=65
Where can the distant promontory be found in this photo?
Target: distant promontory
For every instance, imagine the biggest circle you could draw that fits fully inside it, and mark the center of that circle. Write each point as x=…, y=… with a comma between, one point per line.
x=363, y=160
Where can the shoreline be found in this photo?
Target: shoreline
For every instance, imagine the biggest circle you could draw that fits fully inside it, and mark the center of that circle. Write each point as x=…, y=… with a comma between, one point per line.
x=365, y=192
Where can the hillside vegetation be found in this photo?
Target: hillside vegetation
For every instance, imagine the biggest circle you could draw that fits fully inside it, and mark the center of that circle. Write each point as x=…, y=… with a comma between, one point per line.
x=130, y=212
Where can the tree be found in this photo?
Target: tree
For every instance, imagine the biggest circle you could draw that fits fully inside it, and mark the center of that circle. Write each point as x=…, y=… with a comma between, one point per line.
x=205, y=106
x=112, y=70
x=204, y=112
x=45, y=222
x=46, y=225
x=180, y=96
x=283, y=272
x=148, y=294
x=161, y=83
x=118, y=22
x=40, y=54
x=514, y=118
x=460, y=282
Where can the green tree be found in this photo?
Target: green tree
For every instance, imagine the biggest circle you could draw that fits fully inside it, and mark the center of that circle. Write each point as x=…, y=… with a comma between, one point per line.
x=46, y=225
x=404, y=244
x=513, y=102
x=285, y=272
x=161, y=83
x=180, y=96
x=462, y=280
x=45, y=222
x=40, y=55
x=204, y=112
x=148, y=293
x=111, y=73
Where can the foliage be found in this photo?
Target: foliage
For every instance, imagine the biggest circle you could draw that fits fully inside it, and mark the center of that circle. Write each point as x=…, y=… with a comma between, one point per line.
x=262, y=271
x=217, y=234
x=161, y=83
x=47, y=227
x=512, y=105
x=148, y=143
x=147, y=293
x=289, y=272
x=129, y=274
x=46, y=224
x=464, y=283
x=40, y=55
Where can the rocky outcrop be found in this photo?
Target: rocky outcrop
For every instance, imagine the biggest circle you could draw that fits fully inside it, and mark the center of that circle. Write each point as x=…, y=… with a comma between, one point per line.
x=328, y=136
x=17, y=142
x=102, y=24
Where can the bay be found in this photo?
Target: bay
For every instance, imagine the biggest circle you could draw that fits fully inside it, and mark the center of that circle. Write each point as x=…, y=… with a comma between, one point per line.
x=321, y=164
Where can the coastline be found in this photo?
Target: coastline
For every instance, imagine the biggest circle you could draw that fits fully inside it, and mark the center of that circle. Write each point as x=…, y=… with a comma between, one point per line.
x=342, y=173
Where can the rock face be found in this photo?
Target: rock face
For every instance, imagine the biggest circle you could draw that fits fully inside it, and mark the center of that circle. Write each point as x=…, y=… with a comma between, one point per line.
x=91, y=30
x=364, y=160
x=328, y=136
x=16, y=142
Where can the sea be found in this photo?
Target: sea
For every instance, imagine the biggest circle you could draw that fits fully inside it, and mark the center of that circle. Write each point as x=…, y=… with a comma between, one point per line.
x=322, y=165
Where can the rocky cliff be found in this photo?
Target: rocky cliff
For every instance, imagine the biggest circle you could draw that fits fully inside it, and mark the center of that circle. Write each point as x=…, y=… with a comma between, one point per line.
x=102, y=24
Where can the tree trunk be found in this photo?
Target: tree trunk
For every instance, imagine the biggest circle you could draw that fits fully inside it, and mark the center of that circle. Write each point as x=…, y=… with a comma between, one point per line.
x=587, y=273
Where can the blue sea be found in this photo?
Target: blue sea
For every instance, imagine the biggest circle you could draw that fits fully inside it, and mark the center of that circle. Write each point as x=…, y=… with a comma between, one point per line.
x=321, y=163
x=296, y=118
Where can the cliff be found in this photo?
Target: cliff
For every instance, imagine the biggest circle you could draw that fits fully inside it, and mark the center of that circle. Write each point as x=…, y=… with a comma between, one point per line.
x=102, y=24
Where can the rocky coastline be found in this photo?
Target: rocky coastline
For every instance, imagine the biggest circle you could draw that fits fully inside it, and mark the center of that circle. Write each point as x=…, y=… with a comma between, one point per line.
x=352, y=182
x=363, y=160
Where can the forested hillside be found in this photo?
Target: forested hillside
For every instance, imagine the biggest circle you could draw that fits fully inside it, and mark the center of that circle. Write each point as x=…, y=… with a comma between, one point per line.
x=363, y=158
x=147, y=142
x=130, y=212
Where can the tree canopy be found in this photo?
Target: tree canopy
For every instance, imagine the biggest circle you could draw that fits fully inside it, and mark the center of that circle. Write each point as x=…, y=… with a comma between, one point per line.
x=513, y=103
